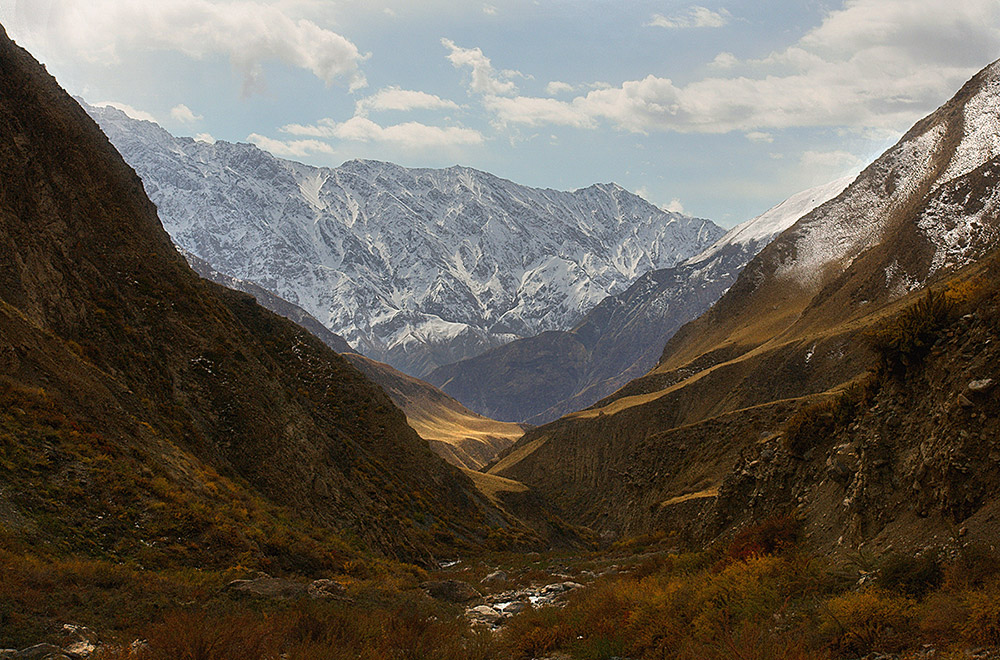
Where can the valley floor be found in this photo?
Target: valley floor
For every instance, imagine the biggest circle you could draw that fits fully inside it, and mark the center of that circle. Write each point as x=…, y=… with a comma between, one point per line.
x=760, y=597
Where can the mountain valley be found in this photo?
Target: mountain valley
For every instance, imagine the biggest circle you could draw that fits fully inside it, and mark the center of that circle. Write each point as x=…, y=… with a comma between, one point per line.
x=776, y=442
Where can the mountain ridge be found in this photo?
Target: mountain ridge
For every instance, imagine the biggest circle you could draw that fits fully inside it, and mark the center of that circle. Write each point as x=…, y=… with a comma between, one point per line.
x=153, y=396
x=791, y=335
x=413, y=267
x=538, y=379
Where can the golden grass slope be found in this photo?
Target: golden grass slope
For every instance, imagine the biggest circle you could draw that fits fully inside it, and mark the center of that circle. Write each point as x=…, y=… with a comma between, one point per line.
x=455, y=433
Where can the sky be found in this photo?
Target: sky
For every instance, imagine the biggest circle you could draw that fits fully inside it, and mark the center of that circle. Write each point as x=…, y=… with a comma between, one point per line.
x=717, y=109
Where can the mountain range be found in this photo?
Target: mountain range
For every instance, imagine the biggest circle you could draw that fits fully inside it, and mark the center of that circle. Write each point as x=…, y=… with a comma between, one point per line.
x=541, y=378
x=413, y=267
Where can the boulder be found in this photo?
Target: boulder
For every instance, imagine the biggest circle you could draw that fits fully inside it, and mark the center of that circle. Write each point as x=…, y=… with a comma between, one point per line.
x=485, y=614
x=495, y=576
x=326, y=589
x=452, y=591
x=42, y=652
x=269, y=587
x=981, y=386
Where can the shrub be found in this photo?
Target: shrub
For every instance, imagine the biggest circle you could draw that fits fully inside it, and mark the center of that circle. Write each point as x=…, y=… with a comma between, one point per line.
x=983, y=623
x=910, y=576
x=814, y=424
x=974, y=567
x=905, y=340
x=870, y=620
x=772, y=536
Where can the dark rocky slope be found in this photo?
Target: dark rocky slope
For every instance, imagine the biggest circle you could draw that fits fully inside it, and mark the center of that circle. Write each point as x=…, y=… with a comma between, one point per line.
x=115, y=358
x=792, y=330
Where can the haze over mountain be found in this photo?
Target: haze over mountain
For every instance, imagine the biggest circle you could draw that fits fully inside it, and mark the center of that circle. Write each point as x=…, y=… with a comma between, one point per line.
x=710, y=439
x=413, y=267
x=540, y=378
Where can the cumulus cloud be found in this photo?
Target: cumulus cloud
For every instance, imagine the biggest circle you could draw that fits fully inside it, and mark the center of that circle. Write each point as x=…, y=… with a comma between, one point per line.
x=534, y=111
x=205, y=137
x=290, y=148
x=409, y=135
x=675, y=206
x=485, y=79
x=134, y=113
x=557, y=87
x=184, y=114
x=874, y=64
x=694, y=17
x=724, y=60
x=404, y=100
x=490, y=10
x=248, y=32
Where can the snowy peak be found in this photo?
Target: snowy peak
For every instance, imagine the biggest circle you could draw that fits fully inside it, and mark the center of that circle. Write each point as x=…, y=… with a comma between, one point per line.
x=956, y=139
x=415, y=267
x=760, y=230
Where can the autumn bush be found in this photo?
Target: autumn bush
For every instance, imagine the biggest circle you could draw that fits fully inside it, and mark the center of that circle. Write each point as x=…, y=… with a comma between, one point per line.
x=903, y=341
x=861, y=622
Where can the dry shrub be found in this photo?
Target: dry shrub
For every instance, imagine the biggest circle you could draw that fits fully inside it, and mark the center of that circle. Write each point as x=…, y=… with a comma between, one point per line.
x=774, y=535
x=201, y=636
x=941, y=616
x=974, y=567
x=753, y=641
x=904, y=341
x=910, y=576
x=814, y=424
x=870, y=620
x=536, y=632
x=983, y=623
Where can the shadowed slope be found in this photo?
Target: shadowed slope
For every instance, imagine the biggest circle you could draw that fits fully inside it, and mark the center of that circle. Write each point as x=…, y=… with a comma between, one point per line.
x=107, y=325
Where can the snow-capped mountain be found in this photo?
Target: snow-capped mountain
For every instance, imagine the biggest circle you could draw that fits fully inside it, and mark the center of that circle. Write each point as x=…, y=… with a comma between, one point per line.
x=414, y=267
x=751, y=403
x=538, y=379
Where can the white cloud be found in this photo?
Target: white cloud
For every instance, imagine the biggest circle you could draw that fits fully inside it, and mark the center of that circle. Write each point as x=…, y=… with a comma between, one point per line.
x=489, y=10
x=534, y=111
x=485, y=79
x=694, y=17
x=875, y=64
x=182, y=113
x=830, y=160
x=409, y=135
x=759, y=136
x=205, y=137
x=557, y=87
x=248, y=32
x=724, y=60
x=292, y=148
x=394, y=98
x=134, y=113
x=675, y=206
